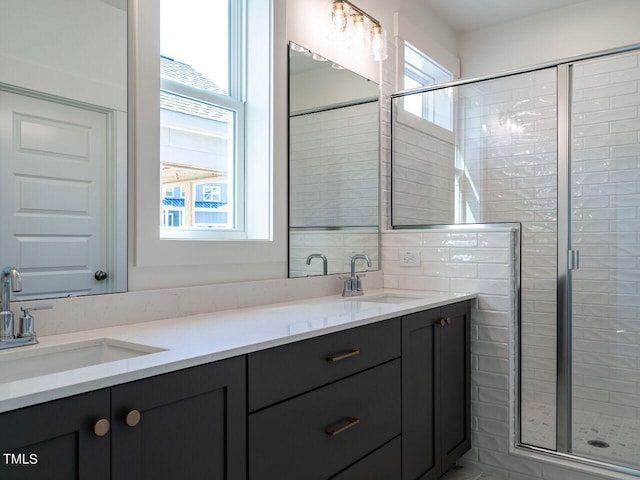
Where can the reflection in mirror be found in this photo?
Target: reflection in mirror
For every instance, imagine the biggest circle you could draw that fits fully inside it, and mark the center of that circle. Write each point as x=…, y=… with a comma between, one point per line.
x=333, y=166
x=63, y=134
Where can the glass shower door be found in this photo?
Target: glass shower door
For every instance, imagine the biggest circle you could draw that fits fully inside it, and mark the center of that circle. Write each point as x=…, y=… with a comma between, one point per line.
x=605, y=276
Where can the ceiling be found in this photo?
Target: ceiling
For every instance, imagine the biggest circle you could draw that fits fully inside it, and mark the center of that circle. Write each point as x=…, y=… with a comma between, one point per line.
x=467, y=15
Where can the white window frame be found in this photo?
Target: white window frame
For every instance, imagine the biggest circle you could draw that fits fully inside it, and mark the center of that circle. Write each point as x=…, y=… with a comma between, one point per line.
x=234, y=102
x=264, y=244
x=409, y=119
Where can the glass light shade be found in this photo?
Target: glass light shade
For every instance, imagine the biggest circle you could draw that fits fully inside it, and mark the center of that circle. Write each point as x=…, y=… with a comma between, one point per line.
x=339, y=16
x=378, y=43
x=359, y=32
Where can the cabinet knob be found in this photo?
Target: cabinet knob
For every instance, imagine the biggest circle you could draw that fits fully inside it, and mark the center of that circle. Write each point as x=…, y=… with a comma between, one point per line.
x=133, y=418
x=442, y=322
x=101, y=427
x=448, y=321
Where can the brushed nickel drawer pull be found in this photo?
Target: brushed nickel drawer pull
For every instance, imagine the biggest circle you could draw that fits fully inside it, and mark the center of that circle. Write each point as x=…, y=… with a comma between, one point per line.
x=341, y=426
x=336, y=357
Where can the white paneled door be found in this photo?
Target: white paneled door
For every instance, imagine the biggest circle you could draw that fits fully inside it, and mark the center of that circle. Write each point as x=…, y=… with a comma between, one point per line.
x=53, y=195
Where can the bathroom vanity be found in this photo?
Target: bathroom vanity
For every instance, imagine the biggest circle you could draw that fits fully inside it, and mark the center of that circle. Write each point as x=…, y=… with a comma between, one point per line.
x=362, y=389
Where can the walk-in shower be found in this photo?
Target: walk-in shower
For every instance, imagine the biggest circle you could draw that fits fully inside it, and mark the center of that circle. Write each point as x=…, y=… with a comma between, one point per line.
x=557, y=149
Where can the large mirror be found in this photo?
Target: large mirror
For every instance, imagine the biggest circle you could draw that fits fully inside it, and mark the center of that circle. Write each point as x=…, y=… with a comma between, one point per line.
x=333, y=166
x=63, y=145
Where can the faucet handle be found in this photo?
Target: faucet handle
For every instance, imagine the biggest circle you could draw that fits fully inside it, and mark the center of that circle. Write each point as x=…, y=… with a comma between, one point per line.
x=26, y=322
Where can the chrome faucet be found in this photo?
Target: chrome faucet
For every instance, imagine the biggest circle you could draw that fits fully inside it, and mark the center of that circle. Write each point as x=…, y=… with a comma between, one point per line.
x=324, y=261
x=11, y=281
x=353, y=284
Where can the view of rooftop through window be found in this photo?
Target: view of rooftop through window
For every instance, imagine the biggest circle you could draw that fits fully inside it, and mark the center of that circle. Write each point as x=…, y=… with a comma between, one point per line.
x=196, y=32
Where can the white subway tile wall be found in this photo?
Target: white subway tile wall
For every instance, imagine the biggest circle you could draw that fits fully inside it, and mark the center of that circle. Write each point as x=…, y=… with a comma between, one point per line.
x=333, y=167
x=493, y=375
x=503, y=169
x=507, y=156
x=492, y=387
x=605, y=218
x=448, y=265
x=423, y=172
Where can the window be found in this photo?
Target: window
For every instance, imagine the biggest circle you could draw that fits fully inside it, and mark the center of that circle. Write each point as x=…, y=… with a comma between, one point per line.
x=202, y=112
x=212, y=193
x=205, y=135
x=436, y=106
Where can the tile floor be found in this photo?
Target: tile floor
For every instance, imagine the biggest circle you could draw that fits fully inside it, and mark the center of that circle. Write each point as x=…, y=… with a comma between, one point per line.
x=621, y=436
x=467, y=473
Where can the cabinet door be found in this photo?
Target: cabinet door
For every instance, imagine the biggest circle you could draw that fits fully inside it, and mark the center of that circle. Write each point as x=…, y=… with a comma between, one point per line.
x=56, y=440
x=455, y=384
x=420, y=367
x=191, y=424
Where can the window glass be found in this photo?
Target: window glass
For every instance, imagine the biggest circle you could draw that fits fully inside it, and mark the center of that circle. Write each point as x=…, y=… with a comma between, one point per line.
x=196, y=33
x=435, y=106
x=201, y=114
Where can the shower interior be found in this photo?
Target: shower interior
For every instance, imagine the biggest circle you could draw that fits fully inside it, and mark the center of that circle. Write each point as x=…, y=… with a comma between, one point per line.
x=558, y=150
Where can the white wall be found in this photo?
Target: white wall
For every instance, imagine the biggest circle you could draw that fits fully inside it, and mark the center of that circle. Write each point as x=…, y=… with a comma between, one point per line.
x=578, y=29
x=40, y=49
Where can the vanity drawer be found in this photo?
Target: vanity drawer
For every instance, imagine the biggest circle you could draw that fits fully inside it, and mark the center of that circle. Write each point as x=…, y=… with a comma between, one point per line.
x=383, y=464
x=361, y=413
x=283, y=372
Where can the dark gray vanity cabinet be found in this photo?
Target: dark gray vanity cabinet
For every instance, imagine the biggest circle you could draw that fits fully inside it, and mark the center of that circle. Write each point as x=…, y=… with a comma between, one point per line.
x=56, y=440
x=185, y=424
x=436, y=400
x=383, y=401
x=326, y=406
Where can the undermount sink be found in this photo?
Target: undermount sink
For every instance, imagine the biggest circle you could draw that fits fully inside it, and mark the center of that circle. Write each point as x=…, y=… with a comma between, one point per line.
x=20, y=363
x=393, y=298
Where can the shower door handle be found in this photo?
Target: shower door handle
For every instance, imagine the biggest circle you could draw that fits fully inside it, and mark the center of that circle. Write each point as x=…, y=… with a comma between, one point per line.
x=573, y=259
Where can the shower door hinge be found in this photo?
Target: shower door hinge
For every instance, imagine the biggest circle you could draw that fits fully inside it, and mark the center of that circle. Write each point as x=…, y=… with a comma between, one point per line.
x=573, y=259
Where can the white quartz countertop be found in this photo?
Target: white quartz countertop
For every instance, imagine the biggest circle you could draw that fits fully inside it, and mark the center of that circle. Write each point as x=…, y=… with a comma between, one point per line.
x=199, y=339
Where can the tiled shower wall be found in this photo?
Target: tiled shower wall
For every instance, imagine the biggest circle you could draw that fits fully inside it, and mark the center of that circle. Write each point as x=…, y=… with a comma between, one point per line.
x=504, y=169
x=605, y=195
x=482, y=260
x=423, y=170
x=333, y=167
x=507, y=144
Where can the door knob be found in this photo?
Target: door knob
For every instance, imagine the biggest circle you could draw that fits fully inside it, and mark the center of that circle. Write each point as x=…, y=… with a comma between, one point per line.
x=101, y=275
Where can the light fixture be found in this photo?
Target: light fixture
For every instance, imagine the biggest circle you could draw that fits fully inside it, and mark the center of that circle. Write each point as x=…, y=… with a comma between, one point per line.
x=358, y=28
x=297, y=48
